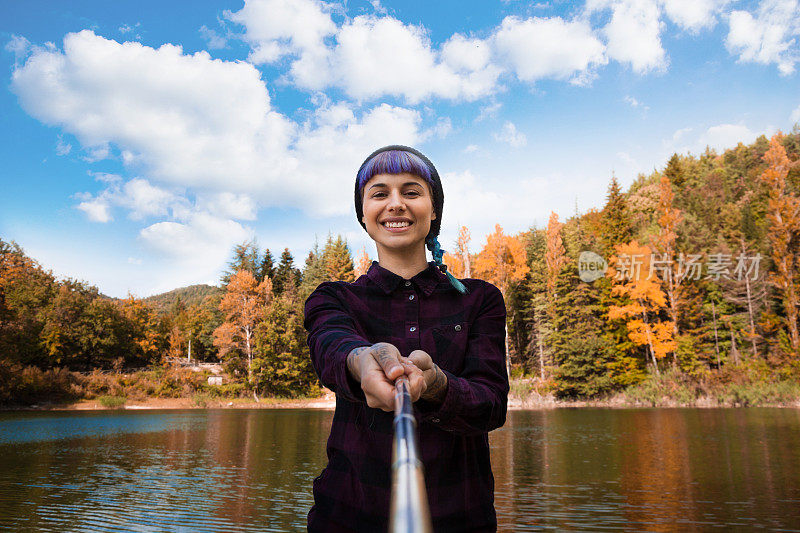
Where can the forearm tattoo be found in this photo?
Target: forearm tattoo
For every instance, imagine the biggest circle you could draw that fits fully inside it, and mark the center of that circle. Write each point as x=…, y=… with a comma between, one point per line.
x=436, y=390
x=351, y=362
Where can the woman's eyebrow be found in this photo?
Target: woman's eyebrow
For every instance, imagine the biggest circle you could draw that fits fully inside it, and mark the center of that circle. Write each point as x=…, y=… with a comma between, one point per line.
x=406, y=183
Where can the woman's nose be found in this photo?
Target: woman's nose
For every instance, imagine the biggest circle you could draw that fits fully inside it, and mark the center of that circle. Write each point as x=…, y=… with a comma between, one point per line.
x=396, y=201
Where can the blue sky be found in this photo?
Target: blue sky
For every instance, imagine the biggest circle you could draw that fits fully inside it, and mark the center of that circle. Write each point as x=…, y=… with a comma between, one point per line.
x=141, y=141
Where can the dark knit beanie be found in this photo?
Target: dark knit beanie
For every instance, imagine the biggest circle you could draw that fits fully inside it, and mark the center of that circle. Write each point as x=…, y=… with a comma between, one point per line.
x=435, y=182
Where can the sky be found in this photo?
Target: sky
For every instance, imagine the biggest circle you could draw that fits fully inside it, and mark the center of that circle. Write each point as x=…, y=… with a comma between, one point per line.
x=140, y=141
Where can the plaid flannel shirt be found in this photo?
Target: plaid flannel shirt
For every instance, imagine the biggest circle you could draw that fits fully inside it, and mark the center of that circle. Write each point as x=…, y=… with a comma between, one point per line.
x=465, y=335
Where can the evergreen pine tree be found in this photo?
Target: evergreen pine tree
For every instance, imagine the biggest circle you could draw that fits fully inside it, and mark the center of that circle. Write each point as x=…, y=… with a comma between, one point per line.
x=615, y=219
x=313, y=272
x=338, y=261
x=245, y=257
x=285, y=273
x=266, y=268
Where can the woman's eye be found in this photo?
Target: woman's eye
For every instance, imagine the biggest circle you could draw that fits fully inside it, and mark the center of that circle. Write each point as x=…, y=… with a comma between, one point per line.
x=415, y=193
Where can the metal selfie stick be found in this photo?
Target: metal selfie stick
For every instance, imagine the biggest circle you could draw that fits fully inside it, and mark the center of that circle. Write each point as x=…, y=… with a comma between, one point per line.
x=409, y=507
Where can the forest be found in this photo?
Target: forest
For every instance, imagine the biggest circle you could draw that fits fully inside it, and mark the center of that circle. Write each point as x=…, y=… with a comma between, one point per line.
x=683, y=288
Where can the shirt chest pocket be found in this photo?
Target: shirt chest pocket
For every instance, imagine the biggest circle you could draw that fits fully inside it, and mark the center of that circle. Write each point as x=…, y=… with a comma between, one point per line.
x=450, y=346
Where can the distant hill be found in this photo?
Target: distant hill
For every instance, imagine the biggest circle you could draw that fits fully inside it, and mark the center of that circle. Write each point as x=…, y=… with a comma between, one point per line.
x=191, y=295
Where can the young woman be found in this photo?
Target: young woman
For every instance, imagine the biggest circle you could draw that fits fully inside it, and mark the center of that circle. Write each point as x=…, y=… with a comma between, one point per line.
x=407, y=316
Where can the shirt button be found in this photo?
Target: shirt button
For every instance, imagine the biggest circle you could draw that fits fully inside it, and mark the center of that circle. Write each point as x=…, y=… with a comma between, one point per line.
x=412, y=328
x=408, y=283
x=458, y=327
x=435, y=420
x=411, y=297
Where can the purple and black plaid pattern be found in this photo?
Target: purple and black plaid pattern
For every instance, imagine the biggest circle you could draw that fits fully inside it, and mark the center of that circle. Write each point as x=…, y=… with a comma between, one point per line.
x=465, y=336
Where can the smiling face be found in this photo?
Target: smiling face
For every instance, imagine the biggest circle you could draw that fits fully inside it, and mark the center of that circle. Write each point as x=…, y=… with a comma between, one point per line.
x=398, y=209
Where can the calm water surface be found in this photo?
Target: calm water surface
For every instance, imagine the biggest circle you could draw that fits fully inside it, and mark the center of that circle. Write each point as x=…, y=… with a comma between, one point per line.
x=251, y=470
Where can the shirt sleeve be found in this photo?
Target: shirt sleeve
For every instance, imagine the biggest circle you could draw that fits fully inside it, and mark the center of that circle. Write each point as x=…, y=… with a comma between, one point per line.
x=332, y=335
x=476, y=400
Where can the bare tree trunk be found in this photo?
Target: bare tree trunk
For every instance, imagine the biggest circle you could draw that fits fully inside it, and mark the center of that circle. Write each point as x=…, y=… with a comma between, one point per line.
x=650, y=344
x=734, y=349
x=249, y=354
x=750, y=308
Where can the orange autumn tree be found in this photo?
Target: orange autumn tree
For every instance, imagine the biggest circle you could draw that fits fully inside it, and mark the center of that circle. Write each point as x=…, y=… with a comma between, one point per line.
x=783, y=215
x=459, y=262
x=243, y=306
x=629, y=273
x=664, y=243
x=363, y=263
x=502, y=262
x=555, y=256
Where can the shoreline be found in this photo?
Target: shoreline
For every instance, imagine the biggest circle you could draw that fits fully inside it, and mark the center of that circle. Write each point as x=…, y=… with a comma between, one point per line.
x=328, y=402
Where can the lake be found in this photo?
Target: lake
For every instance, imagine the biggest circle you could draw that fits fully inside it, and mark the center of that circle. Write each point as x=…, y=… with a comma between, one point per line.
x=587, y=469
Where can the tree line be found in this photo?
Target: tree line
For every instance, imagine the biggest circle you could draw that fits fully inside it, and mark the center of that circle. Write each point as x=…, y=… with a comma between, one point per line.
x=667, y=294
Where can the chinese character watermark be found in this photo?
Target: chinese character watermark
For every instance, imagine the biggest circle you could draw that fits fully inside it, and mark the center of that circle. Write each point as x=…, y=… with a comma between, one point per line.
x=717, y=266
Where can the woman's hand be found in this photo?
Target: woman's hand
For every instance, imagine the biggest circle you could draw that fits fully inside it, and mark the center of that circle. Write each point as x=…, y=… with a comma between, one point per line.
x=377, y=367
x=435, y=379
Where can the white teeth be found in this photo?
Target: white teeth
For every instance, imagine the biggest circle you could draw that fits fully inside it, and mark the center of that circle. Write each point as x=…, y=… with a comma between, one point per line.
x=396, y=224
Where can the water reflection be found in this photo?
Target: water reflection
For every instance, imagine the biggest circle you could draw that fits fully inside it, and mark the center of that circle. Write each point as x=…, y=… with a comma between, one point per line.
x=648, y=469
x=251, y=470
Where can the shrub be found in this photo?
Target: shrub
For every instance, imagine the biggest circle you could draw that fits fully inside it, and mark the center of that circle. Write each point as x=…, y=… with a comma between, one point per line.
x=112, y=402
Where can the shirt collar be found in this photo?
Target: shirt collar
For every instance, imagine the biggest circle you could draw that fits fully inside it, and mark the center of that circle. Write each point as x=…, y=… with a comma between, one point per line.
x=387, y=280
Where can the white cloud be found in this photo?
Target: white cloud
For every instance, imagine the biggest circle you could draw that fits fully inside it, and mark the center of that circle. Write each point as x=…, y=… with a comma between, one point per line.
x=441, y=130
x=213, y=40
x=191, y=121
x=197, y=249
x=62, y=148
x=511, y=136
x=768, y=37
x=489, y=111
x=229, y=205
x=636, y=104
x=537, y=48
x=138, y=196
x=207, y=125
x=186, y=119
x=795, y=115
x=719, y=138
x=694, y=15
x=725, y=136
x=213, y=236
x=19, y=46
x=128, y=28
x=480, y=202
x=333, y=144
x=144, y=199
x=470, y=148
x=375, y=57
x=378, y=7
x=632, y=101
x=633, y=33
x=96, y=209
x=276, y=28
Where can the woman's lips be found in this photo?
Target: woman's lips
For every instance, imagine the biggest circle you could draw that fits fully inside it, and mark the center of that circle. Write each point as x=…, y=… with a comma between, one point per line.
x=396, y=230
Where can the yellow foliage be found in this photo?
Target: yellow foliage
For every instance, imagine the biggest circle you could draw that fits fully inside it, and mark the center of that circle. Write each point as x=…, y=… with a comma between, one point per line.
x=502, y=261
